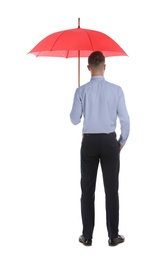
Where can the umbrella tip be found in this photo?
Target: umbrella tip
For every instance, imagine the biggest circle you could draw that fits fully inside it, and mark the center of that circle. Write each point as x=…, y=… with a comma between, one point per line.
x=78, y=22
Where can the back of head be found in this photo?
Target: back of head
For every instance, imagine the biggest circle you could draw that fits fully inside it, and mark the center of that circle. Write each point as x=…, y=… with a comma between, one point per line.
x=96, y=60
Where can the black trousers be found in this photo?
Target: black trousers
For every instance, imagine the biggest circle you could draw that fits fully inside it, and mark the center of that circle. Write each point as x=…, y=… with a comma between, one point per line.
x=103, y=149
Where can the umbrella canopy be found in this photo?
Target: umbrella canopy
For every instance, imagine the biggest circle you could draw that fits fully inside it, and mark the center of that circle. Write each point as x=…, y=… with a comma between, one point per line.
x=77, y=42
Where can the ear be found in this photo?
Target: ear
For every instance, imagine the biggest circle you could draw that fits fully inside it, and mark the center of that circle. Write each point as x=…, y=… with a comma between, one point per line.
x=104, y=66
x=88, y=67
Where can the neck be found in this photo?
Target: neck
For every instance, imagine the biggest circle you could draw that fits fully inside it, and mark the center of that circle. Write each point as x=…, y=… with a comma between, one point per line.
x=97, y=74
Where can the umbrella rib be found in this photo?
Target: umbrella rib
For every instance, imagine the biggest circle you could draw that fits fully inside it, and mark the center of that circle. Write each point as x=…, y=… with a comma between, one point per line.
x=90, y=40
x=67, y=54
x=56, y=40
x=38, y=54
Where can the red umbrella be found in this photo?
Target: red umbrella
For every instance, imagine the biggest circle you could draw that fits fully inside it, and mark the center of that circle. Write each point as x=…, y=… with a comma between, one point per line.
x=77, y=42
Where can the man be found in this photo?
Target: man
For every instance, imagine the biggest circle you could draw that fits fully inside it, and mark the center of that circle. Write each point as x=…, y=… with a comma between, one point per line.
x=100, y=103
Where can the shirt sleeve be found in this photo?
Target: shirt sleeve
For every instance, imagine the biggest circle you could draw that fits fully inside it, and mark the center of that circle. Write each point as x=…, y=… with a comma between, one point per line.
x=123, y=118
x=76, y=112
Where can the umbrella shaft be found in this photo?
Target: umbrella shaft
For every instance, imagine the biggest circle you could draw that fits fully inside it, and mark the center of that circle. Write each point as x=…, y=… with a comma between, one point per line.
x=79, y=68
x=78, y=58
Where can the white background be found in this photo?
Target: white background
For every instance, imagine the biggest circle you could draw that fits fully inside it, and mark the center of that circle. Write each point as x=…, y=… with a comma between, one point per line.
x=40, y=148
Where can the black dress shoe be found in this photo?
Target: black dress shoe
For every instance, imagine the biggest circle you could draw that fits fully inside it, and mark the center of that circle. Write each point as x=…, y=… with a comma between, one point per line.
x=116, y=241
x=84, y=241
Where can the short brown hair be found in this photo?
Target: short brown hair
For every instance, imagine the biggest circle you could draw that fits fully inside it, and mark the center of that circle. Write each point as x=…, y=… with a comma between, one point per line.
x=96, y=58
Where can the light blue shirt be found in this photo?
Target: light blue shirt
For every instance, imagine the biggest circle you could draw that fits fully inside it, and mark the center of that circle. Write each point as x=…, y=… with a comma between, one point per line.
x=100, y=103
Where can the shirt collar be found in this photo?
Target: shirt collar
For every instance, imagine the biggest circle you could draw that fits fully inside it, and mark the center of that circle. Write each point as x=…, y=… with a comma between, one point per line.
x=97, y=77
